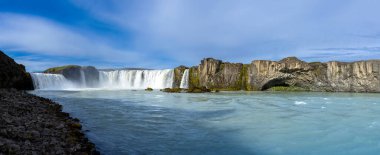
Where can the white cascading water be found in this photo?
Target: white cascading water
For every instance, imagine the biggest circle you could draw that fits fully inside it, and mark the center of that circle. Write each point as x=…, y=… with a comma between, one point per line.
x=83, y=78
x=117, y=79
x=136, y=79
x=51, y=81
x=185, y=80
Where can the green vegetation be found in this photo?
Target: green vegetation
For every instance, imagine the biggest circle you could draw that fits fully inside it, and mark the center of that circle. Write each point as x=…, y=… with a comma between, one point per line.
x=193, y=78
x=58, y=69
x=172, y=90
x=149, y=89
x=244, y=77
x=287, y=88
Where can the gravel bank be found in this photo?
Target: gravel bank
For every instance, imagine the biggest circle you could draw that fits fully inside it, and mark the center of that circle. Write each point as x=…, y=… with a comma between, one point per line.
x=34, y=125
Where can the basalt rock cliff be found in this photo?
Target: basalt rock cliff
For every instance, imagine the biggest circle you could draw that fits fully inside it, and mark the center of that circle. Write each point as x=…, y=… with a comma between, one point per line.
x=13, y=75
x=360, y=76
x=76, y=73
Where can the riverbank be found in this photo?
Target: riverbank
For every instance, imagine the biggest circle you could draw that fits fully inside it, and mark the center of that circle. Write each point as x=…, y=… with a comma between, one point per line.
x=34, y=125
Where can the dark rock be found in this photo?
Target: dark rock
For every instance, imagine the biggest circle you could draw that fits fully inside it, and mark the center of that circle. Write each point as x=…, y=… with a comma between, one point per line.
x=13, y=75
x=198, y=90
x=172, y=90
x=38, y=126
x=91, y=76
x=77, y=74
x=149, y=89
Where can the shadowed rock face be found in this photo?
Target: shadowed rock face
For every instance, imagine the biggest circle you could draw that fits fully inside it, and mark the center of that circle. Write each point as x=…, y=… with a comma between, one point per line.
x=91, y=75
x=13, y=75
x=74, y=73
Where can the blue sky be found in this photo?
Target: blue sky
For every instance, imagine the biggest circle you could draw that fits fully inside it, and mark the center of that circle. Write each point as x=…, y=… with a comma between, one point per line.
x=168, y=33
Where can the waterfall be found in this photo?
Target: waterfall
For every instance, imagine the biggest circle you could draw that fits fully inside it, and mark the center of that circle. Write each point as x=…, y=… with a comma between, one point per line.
x=116, y=79
x=185, y=80
x=136, y=79
x=50, y=81
x=82, y=78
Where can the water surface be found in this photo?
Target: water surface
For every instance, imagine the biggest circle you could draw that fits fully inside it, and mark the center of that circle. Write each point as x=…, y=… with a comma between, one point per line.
x=268, y=123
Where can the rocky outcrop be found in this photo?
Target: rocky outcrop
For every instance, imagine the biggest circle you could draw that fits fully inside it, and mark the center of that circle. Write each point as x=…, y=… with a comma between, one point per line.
x=178, y=73
x=35, y=125
x=290, y=71
x=13, y=75
x=91, y=76
x=215, y=74
x=361, y=76
x=76, y=74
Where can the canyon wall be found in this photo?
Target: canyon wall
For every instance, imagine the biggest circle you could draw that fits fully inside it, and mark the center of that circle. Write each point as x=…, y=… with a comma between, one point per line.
x=360, y=76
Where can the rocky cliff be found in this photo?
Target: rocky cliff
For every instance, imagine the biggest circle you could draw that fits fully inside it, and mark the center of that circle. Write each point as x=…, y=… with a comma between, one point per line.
x=77, y=73
x=178, y=73
x=361, y=76
x=13, y=75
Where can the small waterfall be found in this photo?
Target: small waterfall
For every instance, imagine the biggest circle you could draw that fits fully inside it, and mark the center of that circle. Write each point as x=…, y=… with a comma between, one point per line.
x=50, y=81
x=136, y=79
x=185, y=80
x=83, y=78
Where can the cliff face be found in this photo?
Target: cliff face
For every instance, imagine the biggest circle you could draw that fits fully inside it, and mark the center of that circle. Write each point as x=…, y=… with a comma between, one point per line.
x=215, y=74
x=13, y=75
x=362, y=76
x=287, y=72
x=178, y=73
x=76, y=73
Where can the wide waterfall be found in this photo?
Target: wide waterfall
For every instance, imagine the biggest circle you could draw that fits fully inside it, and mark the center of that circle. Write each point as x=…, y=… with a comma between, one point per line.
x=137, y=79
x=115, y=79
x=51, y=81
x=185, y=80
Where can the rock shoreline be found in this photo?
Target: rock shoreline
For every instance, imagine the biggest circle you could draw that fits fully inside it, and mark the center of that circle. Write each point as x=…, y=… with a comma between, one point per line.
x=34, y=125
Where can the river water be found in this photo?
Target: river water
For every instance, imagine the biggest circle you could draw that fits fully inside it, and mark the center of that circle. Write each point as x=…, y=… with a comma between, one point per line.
x=261, y=123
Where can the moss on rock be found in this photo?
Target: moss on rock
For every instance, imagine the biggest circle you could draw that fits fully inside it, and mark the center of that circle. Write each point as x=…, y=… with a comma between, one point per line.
x=149, y=89
x=172, y=90
x=287, y=88
x=57, y=70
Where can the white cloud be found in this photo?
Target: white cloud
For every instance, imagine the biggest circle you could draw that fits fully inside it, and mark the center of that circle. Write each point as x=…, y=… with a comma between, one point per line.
x=36, y=35
x=240, y=30
x=167, y=33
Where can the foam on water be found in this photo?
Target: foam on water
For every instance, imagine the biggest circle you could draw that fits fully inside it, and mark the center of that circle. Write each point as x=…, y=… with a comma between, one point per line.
x=299, y=103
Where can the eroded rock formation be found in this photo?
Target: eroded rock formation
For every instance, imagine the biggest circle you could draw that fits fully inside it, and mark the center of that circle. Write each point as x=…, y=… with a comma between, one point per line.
x=361, y=76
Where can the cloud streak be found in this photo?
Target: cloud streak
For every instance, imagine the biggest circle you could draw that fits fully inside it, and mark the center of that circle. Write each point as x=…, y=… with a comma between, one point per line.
x=45, y=38
x=236, y=30
x=165, y=33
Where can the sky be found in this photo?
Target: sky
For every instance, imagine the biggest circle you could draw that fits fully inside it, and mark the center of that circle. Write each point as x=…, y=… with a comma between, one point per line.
x=160, y=34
